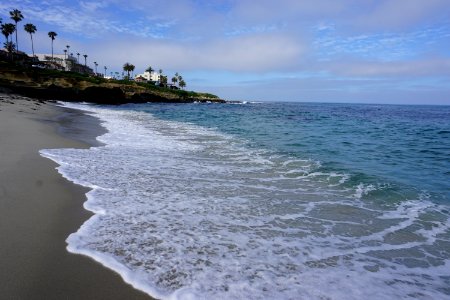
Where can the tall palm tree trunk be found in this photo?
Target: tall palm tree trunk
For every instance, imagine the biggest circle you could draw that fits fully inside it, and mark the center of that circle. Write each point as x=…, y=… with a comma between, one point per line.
x=17, y=43
x=32, y=45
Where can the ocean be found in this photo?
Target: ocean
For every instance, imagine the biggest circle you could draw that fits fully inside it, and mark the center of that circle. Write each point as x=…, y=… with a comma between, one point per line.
x=268, y=200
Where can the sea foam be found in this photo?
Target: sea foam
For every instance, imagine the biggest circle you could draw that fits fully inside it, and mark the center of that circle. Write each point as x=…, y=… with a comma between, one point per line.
x=184, y=212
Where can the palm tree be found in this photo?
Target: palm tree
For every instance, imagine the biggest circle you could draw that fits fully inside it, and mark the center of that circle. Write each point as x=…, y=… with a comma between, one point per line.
x=132, y=70
x=52, y=35
x=127, y=67
x=30, y=28
x=7, y=30
x=150, y=70
x=78, y=59
x=65, y=54
x=160, y=74
x=68, y=47
x=105, y=70
x=174, y=79
x=17, y=16
x=85, y=61
x=163, y=80
x=182, y=84
x=96, y=64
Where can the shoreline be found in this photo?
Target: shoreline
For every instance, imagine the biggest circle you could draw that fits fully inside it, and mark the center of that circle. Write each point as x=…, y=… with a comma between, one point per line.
x=40, y=209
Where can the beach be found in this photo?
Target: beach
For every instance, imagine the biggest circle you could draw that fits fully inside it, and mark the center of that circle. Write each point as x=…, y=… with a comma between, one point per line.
x=40, y=209
x=207, y=201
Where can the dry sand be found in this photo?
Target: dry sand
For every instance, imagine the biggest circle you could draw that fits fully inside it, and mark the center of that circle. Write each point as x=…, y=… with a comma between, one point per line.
x=39, y=208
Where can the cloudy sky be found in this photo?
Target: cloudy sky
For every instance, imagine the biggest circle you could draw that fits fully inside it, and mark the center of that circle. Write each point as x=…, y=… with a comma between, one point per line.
x=369, y=51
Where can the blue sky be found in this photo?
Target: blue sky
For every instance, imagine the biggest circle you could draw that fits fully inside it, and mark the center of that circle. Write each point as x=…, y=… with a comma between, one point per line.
x=369, y=51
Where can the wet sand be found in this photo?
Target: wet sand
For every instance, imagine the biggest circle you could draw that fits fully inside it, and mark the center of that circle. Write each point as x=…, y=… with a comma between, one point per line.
x=39, y=208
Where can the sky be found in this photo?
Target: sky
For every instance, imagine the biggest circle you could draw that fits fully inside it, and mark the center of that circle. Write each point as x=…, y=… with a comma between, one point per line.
x=364, y=51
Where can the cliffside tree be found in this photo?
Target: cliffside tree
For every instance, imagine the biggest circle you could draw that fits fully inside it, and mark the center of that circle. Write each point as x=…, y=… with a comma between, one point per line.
x=127, y=67
x=150, y=70
x=31, y=29
x=52, y=35
x=7, y=30
x=17, y=16
x=163, y=81
x=174, y=79
x=182, y=84
x=132, y=69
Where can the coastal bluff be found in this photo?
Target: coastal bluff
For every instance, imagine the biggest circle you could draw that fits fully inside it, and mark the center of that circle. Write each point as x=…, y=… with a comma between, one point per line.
x=68, y=86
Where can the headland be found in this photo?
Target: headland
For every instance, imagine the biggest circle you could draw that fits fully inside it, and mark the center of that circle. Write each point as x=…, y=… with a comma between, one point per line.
x=27, y=80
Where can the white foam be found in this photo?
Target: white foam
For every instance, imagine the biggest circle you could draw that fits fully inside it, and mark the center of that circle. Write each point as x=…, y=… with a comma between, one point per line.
x=362, y=190
x=182, y=212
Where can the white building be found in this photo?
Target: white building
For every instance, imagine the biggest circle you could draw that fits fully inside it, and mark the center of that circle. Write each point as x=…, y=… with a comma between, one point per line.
x=66, y=61
x=153, y=76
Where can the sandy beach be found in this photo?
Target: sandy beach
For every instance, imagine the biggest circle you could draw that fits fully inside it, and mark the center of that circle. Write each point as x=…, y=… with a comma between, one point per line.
x=39, y=208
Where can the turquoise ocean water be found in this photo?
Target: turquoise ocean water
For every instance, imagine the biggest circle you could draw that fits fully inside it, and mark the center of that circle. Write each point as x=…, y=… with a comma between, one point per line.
x=269, y=200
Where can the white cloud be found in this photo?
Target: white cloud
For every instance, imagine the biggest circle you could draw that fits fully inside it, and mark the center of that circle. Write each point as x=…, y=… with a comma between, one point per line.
x=398, y=14
x=288, y=10
x=260, y=53
x=403, y=69
x=93, y=6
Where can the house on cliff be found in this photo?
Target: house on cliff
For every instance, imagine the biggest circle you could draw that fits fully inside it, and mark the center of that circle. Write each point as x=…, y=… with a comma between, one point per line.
x=153, y=76
x=63, y=62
